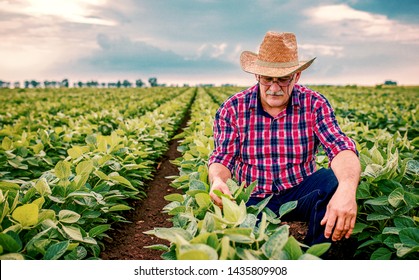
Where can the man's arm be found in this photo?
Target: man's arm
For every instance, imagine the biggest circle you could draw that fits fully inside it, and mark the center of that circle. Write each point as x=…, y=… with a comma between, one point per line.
x=341, y=211
x=218, y=175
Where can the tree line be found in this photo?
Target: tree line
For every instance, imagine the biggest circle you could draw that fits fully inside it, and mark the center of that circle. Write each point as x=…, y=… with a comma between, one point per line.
x=65, y=83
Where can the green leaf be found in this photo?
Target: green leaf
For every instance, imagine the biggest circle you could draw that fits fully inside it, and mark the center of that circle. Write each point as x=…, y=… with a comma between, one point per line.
x=17, y=163
x=363, y=191
x=359, y=227
x=56, y=250
x=197, y=252
x=396, y=197
x=161, y=247
x=287, y=207
x=9, y=243
x=318, y=249
x=68, y=217
x=7, y=144
x=377, y=217
x=75, y=152
x=84, y=167
x=99, y=230
x=170, y=233
x=120, y=207
x=121, y=180
x=272, y=248
x=78, y=253
x=409, y=237
x=381, y=254
x=174, y=197
x=12, y=256
x=62, y=170
x=379, y=201
x=26, y=215
x=292, y=249
x=232, y=212
x=42, y=187
x=203, y=200
x=73, y=232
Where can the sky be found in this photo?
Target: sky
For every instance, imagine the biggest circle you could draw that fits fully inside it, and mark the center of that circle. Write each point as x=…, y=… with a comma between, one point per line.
x=363, y=42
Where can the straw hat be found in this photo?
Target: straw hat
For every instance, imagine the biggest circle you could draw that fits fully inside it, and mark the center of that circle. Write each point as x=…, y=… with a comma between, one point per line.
x=277, y=57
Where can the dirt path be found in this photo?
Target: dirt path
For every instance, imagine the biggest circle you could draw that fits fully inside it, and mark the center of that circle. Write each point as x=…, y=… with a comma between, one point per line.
x=129, y=239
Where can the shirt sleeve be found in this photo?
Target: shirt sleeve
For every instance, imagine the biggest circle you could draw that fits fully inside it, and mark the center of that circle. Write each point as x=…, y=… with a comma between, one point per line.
x=329, y=133
x=226, y=139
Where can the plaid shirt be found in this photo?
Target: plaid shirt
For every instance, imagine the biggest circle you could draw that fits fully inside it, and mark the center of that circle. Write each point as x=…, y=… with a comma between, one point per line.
x=278, y=152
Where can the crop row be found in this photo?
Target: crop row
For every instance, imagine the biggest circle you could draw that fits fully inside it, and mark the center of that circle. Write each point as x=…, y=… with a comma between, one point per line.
x=87, y=180
x=70, y=161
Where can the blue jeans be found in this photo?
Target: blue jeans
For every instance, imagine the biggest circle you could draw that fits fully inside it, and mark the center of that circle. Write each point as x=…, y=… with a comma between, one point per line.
x=313, y=195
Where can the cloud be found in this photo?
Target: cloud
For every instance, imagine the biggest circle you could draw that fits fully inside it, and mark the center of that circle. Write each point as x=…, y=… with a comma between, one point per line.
x=311, y=50
x=78, y=11
x=343, y=21
x=123, y=54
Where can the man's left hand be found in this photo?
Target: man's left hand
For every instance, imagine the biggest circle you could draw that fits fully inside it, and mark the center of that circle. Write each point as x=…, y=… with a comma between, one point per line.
x=340, y=215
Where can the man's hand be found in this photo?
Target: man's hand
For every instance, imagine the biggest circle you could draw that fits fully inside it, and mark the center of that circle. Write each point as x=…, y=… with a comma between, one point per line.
x=340, y=215
x=219, y=185
x=341, y=211
x=218, y=175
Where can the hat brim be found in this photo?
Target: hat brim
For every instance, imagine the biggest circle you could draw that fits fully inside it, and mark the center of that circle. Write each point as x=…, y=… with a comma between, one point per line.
x=248, y=64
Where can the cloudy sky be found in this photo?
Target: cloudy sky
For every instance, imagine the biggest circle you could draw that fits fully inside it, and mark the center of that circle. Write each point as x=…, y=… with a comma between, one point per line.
x=355, y=41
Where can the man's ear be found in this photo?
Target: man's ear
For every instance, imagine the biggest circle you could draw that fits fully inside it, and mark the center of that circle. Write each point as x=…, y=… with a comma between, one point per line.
x=297, y=76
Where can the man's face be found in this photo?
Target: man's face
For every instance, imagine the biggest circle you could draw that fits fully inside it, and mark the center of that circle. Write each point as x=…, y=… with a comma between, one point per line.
x=275, y=92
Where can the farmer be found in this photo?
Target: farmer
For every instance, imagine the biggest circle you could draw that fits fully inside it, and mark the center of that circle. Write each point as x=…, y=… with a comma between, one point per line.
x=271, y=132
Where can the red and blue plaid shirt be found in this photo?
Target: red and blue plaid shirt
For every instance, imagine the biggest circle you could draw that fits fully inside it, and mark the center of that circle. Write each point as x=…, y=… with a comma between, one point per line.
x=278, y=152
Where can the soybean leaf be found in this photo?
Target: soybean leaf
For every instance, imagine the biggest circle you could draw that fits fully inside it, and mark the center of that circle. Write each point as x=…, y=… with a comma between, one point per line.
x=381, y=254
x=68, y=217
x=98, y=230
x=396, y=197
x=409, y=237
x=174, y=197
x=292, y=249
x=287, y=207
x=56, y=250
x=26, y=215
x=62, y=170
x=318, y=249
x=9, y=243
x=273, y=247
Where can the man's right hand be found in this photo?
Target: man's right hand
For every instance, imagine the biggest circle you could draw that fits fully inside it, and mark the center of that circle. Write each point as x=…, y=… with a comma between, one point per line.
x=221, y=186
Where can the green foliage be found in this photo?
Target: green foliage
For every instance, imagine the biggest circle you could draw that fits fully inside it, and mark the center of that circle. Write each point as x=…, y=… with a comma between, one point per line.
x=66, y=178
x=71, y=159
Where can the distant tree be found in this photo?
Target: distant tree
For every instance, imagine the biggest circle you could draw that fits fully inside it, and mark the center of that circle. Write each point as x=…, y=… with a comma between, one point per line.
x=80, y=84
x=390, y=83
x=35, y=84
x=126, y=84
x=17, y=85
x=64, y=83
x=139, y=83
x=4, y=84
x=118, y=84
x=153, y=82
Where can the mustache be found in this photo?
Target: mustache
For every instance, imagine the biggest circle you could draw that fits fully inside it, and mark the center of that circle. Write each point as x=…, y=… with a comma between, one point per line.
x=275, y=93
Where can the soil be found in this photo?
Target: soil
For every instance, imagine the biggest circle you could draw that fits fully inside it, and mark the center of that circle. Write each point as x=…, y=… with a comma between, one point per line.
x=127, y=240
